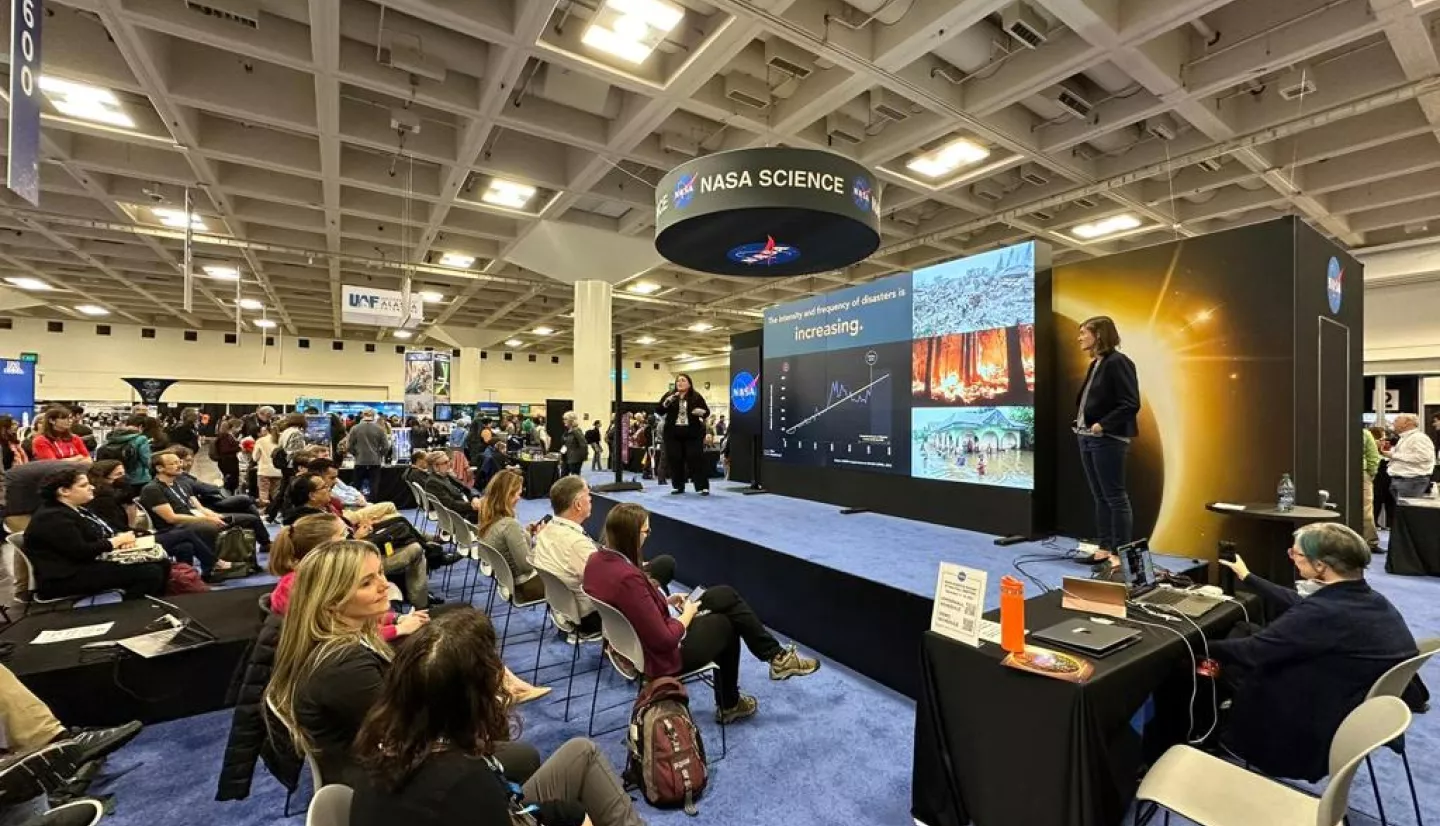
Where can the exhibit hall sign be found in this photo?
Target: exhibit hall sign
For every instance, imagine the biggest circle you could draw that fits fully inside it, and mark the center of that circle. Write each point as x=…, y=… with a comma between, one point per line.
x=22, y=173
x=380, y=308
x=767, y=212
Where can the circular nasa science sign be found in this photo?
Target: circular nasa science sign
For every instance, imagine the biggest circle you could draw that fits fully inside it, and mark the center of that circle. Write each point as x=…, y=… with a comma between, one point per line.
x=771, y=211
x=743, y=391
x=1334, y=283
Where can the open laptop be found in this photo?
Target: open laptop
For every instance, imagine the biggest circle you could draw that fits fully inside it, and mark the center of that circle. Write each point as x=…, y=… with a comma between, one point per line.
x=1138, y=568
x=1094, y=638
x=178, y=632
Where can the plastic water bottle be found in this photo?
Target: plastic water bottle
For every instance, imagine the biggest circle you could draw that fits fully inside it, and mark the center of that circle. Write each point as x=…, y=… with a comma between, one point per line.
x=1286, y=491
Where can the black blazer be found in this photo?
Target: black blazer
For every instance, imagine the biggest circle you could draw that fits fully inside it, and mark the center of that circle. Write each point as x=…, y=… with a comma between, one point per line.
x=692, y=400
x=1114, y=398
x=1306, y=670
x=58, y=541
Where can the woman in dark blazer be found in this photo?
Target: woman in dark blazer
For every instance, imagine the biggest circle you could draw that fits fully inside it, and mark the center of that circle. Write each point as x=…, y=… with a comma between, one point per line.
x=1104, y=424
x=684, y=410
x=64, y=542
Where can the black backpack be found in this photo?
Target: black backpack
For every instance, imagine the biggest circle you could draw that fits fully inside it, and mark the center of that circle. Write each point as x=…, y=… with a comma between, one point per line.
x=123, y=452
x=280, y=459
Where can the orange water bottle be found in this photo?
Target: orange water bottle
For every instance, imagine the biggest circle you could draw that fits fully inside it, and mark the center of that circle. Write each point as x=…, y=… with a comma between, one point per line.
x=1012, y=614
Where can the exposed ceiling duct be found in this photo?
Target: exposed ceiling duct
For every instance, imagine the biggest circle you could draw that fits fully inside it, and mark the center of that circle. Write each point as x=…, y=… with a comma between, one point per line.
x=885, y=12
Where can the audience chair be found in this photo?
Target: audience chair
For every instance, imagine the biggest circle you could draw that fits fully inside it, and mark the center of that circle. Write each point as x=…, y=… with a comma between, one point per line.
x=621, y=636
x=1213, y=792
x=424, y=508
x=30, y=595
x=505, y=586
x=1392, y=684
x=330, y=806
x=562, y=603
x=466, y=542
x=316, y=782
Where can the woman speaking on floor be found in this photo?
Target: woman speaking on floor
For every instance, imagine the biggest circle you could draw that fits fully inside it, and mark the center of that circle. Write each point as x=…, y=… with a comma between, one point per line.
x=685, y=411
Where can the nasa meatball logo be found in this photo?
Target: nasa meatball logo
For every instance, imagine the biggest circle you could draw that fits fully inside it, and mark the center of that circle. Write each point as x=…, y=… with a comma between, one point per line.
x=742, y=392
x=863, y=196
x=1334, y=283
x=768, y=254
x=684, y=190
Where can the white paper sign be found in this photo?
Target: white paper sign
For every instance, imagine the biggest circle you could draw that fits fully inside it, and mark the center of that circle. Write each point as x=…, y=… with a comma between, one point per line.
x=77, y=633
x=959, y=602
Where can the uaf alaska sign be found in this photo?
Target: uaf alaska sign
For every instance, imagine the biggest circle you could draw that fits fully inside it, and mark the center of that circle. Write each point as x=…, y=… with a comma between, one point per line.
x=379, y=308
x=767, y=212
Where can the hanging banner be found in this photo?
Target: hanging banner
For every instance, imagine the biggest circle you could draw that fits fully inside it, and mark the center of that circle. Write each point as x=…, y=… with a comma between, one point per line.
x=441, y=372
x=22, y=173
x=380, y=308
x=420, y=382
x=150, y=390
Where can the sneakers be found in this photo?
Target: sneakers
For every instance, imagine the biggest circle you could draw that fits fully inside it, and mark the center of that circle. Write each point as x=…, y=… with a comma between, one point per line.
x=96, y=743
x=745, y=708
x=789, y=664
x=85, y=812
x=676, y=492
x=705, y=492
x=42, y=771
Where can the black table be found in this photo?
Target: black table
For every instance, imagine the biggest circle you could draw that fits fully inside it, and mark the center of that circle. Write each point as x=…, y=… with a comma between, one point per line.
x=392, y=486
x=996, y=746
x=539, y=475
x=1269, y=557
x=1414, y=541
x=104, y=688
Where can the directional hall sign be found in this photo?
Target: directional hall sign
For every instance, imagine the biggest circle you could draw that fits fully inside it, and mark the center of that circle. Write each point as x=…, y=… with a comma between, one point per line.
x=23, y=170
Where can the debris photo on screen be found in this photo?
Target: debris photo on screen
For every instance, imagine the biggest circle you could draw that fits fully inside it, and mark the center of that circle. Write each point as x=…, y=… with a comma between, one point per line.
x=930, y=374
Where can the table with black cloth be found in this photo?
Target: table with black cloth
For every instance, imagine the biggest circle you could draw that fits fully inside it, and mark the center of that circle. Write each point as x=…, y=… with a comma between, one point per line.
x=996, y=746
x=1271, y=559
x=539, y=475
x=111, y=686
x=1414, y=541
x=392, y=486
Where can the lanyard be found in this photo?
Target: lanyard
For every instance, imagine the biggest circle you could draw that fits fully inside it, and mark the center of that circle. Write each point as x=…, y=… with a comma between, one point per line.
x=104, y=527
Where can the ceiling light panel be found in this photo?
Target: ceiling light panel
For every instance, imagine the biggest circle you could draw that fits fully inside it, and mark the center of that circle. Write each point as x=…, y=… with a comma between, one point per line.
x=508, y=194
x=642, y=287
x=171, y=217
x=85, y=102
x=221, y=272
x=1123, y=222
x=948, y=158
x=251, y=304
x=460, y=259
x=27, y=283
x=264, y=323
x=92, y=309
x=630, y=30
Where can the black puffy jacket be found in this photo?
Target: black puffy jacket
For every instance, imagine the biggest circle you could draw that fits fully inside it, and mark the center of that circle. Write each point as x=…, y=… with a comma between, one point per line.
x=250, y=736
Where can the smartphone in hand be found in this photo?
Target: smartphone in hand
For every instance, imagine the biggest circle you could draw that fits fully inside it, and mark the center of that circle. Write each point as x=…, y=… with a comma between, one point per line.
x=695, y=595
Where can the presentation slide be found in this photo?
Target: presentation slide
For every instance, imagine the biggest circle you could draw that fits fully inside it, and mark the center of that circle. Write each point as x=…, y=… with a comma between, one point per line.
x=963, y=332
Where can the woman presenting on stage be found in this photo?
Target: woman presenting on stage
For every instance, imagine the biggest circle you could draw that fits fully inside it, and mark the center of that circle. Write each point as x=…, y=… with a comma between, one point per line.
x=685, y=411
x=1104, y=425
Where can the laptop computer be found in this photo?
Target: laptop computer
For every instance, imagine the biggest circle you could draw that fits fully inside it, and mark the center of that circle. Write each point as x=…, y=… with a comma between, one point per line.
x=179, y=632
x=1138, y=569
x=1094, y=638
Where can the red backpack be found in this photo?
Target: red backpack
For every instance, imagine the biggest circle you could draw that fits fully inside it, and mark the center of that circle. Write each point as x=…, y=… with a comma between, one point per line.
x=666, y=756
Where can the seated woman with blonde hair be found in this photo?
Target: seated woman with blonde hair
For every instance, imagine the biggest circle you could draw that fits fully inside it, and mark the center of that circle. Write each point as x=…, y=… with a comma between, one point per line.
x=499, y=529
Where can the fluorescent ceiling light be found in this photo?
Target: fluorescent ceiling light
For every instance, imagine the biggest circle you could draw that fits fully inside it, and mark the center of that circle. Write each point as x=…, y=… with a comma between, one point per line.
x=403, y=334
x=543, y=331
x=513, y=342
x=632, y=29
x=643, y=288
x=684, y=357
x=431, y=297
x=91, y=309
x=948, y=158
x=222, y=273
x=701, y=327
x=27, y=283
x=646, y=340
x=727, y=348
x=264, y=323
x=85, y=102
x=172, y=217
x=1106, y=226
x=458, y=259
x=507, y=194
x=251, y=304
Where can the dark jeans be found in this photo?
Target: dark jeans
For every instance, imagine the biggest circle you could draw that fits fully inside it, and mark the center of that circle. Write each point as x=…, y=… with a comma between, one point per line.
x=685, y=459
x=1103, y=459
x=185, y=545
x=367, y=481
x=574, y=469
x=279, y=496
x=136, y=581
x=716, y=636
x=239, y=503
x=1408, y=487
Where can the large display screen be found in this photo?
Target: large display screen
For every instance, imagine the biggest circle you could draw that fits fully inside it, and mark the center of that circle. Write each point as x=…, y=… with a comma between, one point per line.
x=928, y=374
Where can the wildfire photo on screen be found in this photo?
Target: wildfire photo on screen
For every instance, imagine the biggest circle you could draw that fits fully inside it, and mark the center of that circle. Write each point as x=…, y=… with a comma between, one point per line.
x=984, y=367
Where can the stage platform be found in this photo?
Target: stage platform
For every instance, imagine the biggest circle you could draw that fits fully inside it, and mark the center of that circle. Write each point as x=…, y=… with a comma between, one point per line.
x=102, y=688
x=855, y=588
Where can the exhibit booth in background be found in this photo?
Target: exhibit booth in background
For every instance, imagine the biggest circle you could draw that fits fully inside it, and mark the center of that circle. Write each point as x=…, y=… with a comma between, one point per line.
x=1249, y=348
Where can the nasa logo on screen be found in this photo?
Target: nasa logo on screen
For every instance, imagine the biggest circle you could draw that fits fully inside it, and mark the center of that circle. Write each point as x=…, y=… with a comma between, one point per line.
x=861, y=193
x=742, y=392
x=14, y=368
x=768, y=254
x=1334, y=283
x=684, y=190
x=961, y=576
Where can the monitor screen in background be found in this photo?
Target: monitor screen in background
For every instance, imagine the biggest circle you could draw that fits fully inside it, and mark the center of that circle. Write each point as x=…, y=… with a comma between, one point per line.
x=928, y=374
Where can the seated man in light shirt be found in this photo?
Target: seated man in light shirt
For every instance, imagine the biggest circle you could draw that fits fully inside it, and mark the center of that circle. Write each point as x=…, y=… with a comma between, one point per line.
x=352, y=502
x=562, y=548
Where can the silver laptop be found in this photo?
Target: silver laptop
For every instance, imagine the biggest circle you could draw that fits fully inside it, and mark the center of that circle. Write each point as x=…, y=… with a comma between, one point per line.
x=1138, y=569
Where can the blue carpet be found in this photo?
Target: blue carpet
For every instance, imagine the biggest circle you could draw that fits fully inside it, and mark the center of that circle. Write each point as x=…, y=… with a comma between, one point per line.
x=854, y=738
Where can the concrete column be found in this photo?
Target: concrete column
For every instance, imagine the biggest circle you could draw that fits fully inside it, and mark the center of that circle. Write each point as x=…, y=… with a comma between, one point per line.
x=593, y=360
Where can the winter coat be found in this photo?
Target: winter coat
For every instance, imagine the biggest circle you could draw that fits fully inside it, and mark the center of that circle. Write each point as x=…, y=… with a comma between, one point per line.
x=251, y=733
